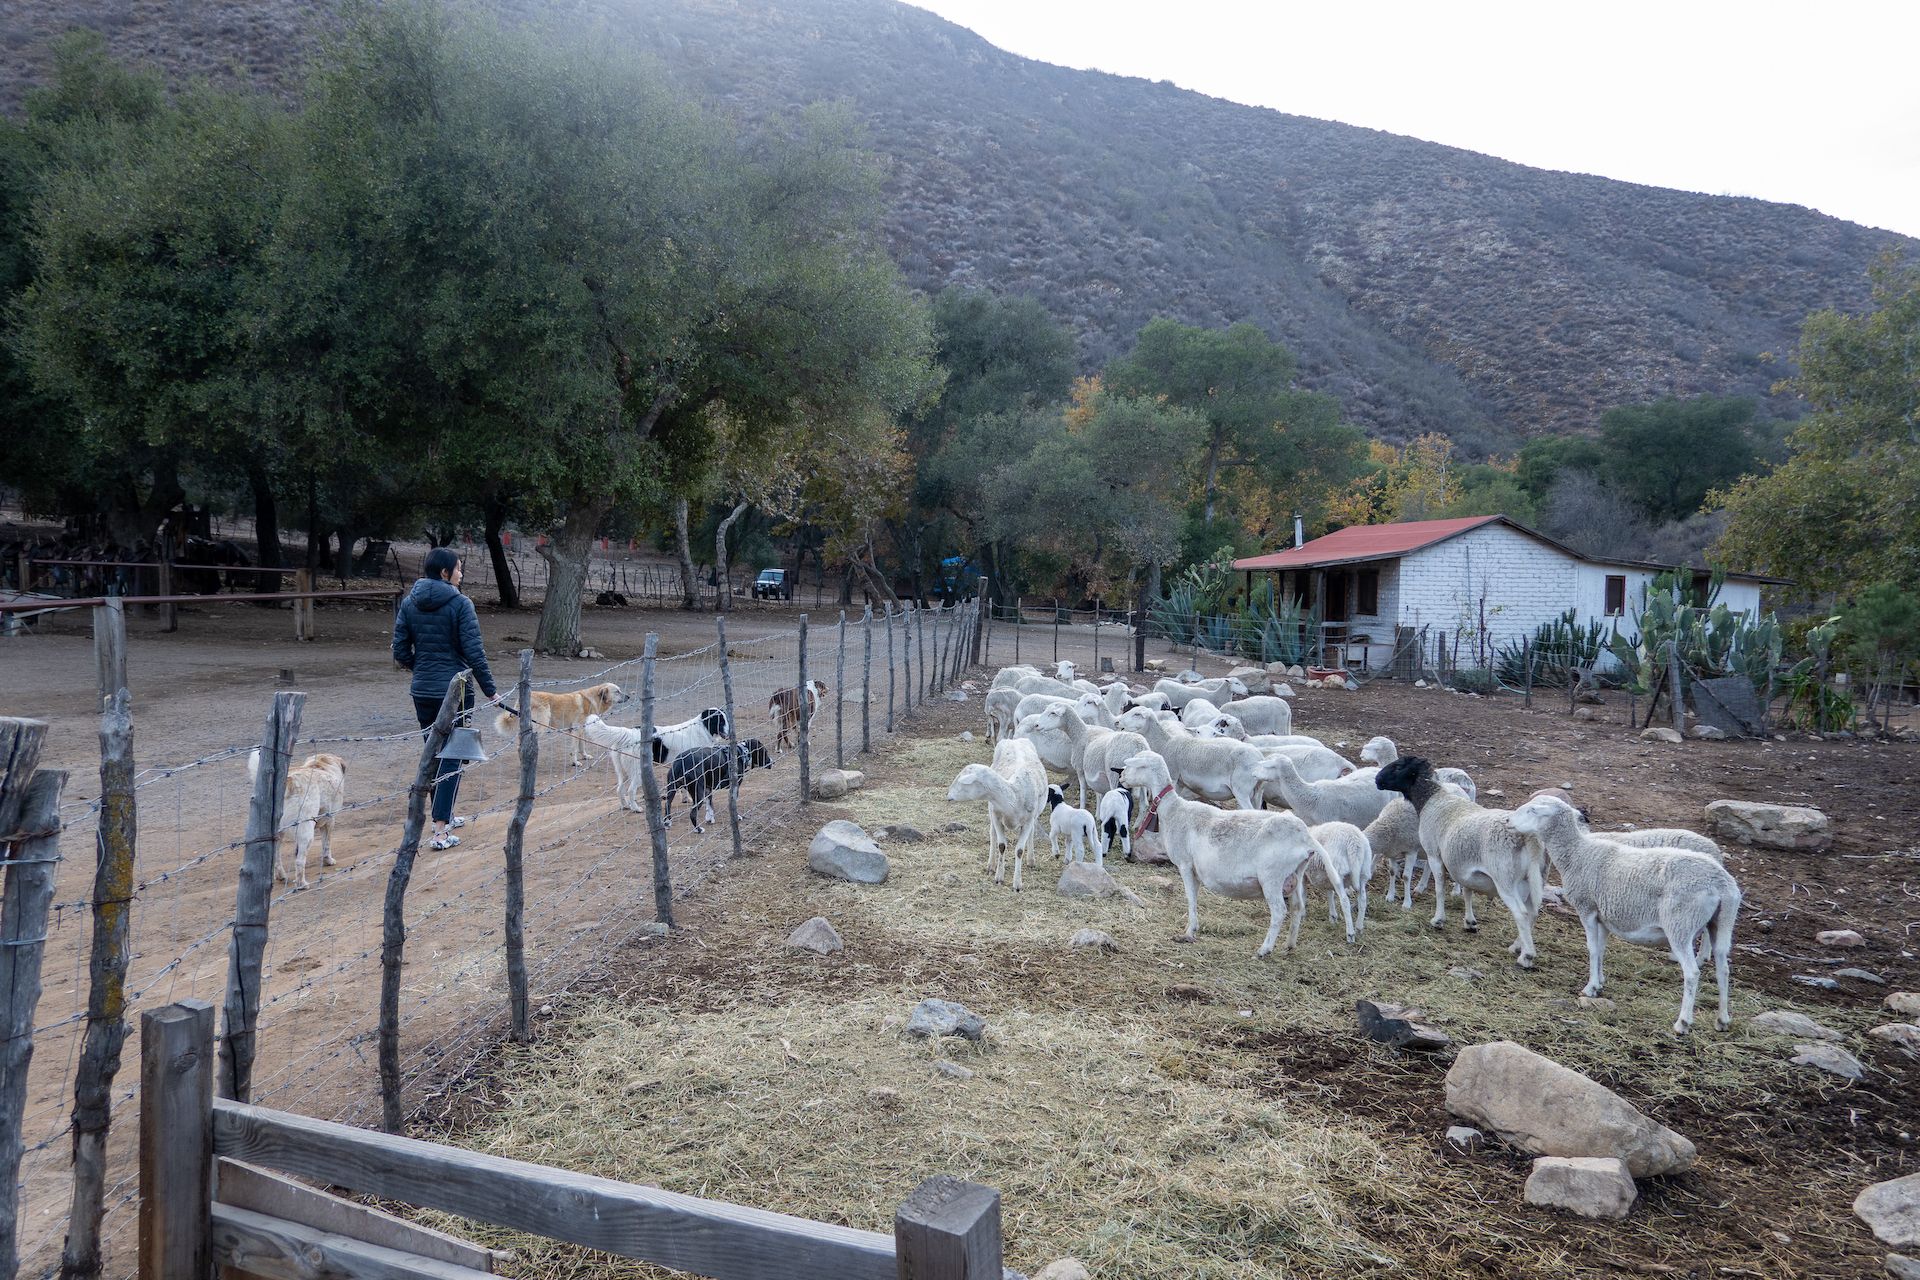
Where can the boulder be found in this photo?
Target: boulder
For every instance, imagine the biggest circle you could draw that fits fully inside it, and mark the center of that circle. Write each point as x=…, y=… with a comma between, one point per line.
x=1830, y=1058
x=1398, y=1026
x=1150, y=846
x=1892, y=1209
x=1591, y=1186
x=1901, y=1267
x=1282, y=690
x=1085, y=880
x=1904, y=1036
x=1255, y=678
x=1772, y=826
x=933, y=1017
x=1093, y=938
x=816, y=935
x=1785, y=1022
x=1659, y=734
x=1839, y=938
x=844, y=852
x=1540, y=1106
x=1907, y=1002
x=1296, y=672
x=1064, y=1269
x=1707, y=733
x=831, y=784
x=1585, y=713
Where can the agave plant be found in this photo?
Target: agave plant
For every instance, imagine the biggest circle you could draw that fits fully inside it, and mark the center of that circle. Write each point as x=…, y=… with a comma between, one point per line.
x=1560, y=651
x=1281, y=629
x=1175, y=614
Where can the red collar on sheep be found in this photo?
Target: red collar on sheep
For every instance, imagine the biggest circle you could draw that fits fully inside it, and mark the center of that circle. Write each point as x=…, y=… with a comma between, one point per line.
x=1147, y=818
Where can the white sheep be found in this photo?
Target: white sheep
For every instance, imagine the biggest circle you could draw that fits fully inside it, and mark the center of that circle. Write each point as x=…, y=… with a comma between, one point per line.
x=1264, y=714
x=1652, y=897
x=1348, y=864
x=1316, y=762
x=1179, y=693
x=1352, y=798
x=1197, y=712
x=1116, y=817
x=1015, y=789
x=1477, y=847
x=1075, y=826
x=1666, y=838
x=1395, y=839
x=1212, y=768
x=1007, y=677
x=1242, y=853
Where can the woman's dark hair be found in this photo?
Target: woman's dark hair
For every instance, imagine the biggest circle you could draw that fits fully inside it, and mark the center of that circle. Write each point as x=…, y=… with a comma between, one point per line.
x=440, y=562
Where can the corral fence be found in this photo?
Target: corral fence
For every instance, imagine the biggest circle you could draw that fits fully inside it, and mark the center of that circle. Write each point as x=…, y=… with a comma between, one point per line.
x=367, y=996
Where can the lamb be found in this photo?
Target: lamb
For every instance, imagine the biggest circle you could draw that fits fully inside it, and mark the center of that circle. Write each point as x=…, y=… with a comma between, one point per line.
x=1001, y=702
x=1015, y=789
x=1348, y=863
x=1645, y=896
x=1179, y=694
x=1213, y=768
x=1075, y=826
x=1116, y=817
x=1265, y=714
x=708, y=729
x=1352, y=798
x=1234, y=853
x=1477, y=847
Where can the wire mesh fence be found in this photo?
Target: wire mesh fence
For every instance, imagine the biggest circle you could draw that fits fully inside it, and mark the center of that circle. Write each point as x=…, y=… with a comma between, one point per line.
x=587, y=873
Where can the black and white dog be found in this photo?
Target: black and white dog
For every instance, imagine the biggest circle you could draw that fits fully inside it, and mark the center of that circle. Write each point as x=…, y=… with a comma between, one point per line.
x=708, y=729
x=702, y=771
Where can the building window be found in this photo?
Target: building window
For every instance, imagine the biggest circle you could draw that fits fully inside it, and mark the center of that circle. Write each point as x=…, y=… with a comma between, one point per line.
x=1616, y=595
x=1369, y=605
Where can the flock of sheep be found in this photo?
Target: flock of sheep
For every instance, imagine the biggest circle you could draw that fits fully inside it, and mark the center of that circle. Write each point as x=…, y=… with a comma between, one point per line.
x=1170, y=759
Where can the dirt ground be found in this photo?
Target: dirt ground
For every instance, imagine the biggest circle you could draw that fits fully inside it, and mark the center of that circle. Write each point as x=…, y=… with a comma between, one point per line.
x=1169, y=1110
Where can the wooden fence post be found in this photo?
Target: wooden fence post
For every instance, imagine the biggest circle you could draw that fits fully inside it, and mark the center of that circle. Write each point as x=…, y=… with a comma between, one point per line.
x=840, y=697
x=31, y=841
x=1140, y=630
x=1526, y=661
x=906, y=658
x=1096, y=637
x=107, y=961
x=734, y=768
x=393, y=925
x=888, y=607
x=1017, y=620
x=650, y=787
x=1676, y=699
x=176, y=1142
x=806, y=771
x=302, y=628
x=979, y=631
x=948, y=1230
x=926, y=676
x=529, y=745
x=866, y=680
x=20, y=743
x=253, y=898
x=168, y=611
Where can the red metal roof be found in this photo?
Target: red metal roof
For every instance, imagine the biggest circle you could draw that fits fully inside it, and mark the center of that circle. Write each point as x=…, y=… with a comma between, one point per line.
x=1367, y=542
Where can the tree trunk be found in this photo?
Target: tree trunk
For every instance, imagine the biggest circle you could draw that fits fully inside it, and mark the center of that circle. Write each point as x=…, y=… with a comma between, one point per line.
x=343, y=559
x=720, y=593
x=683, y=548
x=1153, y=580
x=567, y=553
x=494, y=515
x=266, y=518
x=313, y=524
x=846, y=585
x=1213, y=479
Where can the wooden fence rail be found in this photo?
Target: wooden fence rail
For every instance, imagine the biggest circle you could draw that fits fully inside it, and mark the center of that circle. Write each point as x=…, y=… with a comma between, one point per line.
x=946, y=1229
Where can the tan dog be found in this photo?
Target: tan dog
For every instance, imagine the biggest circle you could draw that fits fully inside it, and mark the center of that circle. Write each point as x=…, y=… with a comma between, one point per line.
x=567, y=711
x=783, y=708
x=316, y=791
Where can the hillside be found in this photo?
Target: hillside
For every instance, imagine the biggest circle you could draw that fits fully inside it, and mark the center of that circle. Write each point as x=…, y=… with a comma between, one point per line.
x=1425, y=286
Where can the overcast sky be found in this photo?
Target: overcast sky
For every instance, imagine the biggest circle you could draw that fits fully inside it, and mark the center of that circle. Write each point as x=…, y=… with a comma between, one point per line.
x=1815, y=104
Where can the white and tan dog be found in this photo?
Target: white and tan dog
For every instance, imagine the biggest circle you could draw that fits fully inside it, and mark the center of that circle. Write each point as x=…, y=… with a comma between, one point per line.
x=567, y=712
x=316, y=791
x=630, y=753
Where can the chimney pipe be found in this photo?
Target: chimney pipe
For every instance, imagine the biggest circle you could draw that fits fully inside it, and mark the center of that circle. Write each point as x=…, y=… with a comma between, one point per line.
x=1299, y=531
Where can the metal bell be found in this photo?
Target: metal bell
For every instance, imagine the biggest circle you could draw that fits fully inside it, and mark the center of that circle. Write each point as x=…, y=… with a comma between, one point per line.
x=463, y=744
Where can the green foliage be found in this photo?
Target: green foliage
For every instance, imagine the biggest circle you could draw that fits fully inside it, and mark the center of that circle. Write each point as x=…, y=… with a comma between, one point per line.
x=1813, y=703
x=1713, y=640
x=1882, y=633
x=1839, y=513
x=1000, y=355
x=1487, y=490
x=1668, y=455
x=1282, y=630
x=1542, y=460
x=1560, y=651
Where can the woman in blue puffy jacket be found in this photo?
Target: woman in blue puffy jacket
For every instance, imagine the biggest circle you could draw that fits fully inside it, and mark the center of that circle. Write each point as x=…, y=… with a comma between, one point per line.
x=436, y=635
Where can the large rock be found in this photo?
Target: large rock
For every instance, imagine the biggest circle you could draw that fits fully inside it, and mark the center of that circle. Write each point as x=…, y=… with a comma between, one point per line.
x=1707, y=733
x=1772, y=826
x=932, y=1018
x=1255, y=678
x=816, y=935
x=1785, y=1022
x=1840, y=938
x=1097, y=939
x=831, y=784
x=1904, y=1036
x=1540, y=1106
x=1658, y=734
x=845, y=852
x=1830, y=1058
x=1901, y=1267
x=1907, y=1002
x=1064, y=1269
x=1085, y=880
x=1892, y=1209
x=1591, y=1186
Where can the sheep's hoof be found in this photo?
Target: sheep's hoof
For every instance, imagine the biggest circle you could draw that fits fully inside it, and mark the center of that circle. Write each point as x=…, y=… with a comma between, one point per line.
x=1680, y=1028
x=1471, y=926
x=1723, y=1024
x=1263, y=953
x=1525, y=962
x=326, y=860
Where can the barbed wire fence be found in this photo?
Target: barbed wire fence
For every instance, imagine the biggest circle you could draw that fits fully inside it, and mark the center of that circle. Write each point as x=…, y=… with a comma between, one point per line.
x=314, y=999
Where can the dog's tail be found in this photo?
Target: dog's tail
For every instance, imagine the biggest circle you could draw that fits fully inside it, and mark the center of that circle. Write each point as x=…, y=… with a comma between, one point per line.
x=253, y=765
x=503, y=723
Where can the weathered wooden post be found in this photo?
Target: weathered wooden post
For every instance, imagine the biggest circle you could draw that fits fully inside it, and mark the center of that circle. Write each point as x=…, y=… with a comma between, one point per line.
x=734, y=767
x=920, y=625
x=650, y=788
x=1056, y=631
x=529, y=745
x=107, y=961
x=30, y=839
x=1096, y=634
x=1526, y=661
x=1140, y=630
x=948, y=1230
x=980, y=619
x=889, y=612
x=1676, y=698
x=393, y=926
x=840, y=697
x=1017, y=620
x=169, y=611
x=866, y=680
x=806, y=773
x=302, y=604
x=176, y=1142
x=906, y=657
x=252, y=899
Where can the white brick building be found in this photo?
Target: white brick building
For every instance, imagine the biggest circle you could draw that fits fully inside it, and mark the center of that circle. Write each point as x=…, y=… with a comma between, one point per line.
x=1457, y=577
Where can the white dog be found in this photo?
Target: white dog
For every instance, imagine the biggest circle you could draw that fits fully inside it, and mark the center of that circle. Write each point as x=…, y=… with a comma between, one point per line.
x=630, y=753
